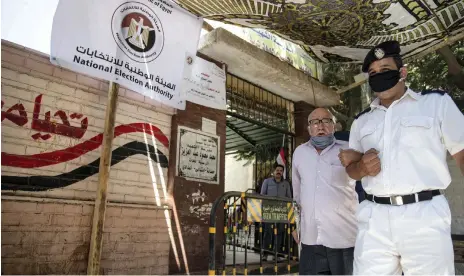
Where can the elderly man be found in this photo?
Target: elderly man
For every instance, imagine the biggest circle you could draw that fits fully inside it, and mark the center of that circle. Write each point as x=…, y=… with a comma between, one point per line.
x=402, y=139
x=327, y=198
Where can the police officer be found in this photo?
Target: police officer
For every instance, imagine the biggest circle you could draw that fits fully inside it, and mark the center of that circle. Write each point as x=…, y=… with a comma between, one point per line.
x=401, y=140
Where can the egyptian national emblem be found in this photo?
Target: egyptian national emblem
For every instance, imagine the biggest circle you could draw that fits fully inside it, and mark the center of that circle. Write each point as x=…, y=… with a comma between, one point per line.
x=138, y=31
x=379, y=53
x=139, y=35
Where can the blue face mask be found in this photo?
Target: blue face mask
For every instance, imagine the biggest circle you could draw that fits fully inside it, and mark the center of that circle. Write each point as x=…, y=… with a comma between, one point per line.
x=321, y=142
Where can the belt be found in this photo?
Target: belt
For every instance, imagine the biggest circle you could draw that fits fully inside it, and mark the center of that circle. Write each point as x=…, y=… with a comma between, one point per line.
x=403, y=199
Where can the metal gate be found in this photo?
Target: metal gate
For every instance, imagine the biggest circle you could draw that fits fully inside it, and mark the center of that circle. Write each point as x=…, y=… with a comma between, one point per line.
x=259, y=124
x=249, y=217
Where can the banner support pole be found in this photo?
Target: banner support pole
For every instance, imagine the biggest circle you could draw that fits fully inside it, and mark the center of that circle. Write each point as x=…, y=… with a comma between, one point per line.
x=96, y=238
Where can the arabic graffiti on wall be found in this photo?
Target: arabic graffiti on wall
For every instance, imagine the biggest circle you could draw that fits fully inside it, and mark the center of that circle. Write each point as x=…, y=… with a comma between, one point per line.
x=18, y=115
x=197, y=197
x=72, y=126
x=198, y=155
x=199, y=208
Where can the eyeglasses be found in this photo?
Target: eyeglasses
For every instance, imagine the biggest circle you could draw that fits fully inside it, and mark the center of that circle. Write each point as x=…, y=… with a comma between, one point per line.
x=324, y=121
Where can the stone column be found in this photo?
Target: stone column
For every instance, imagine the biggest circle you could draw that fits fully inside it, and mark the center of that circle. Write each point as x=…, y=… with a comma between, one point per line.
x=192, y=200
x=302, y=110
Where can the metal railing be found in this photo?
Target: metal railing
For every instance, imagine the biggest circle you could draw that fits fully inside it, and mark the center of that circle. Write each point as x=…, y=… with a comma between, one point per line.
x=255, y=104
x=254, y=225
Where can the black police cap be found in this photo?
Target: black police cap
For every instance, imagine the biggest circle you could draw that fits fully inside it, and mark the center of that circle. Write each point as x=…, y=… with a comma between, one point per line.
x=383, y=50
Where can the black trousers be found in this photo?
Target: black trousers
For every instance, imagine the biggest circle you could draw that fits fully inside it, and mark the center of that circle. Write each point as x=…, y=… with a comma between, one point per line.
x=318, y=259
x=268, y=238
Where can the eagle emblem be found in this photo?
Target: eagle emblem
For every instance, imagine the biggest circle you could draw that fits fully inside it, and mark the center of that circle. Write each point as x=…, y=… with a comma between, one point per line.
x=138, y=34
x=379, y=53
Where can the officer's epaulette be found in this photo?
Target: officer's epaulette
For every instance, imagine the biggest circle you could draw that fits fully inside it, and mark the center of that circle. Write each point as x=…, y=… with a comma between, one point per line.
x=425, y=92
x=363, y=112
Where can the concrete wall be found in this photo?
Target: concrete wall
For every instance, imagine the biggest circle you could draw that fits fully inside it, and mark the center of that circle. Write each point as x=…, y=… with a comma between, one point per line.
x=50, y=171
x=238, y=177
x=49, y=236
x=302, y=111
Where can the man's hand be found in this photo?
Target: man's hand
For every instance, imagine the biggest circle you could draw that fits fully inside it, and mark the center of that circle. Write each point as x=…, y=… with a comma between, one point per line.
x=295, y=236
x=349, y=156
x=370, y=163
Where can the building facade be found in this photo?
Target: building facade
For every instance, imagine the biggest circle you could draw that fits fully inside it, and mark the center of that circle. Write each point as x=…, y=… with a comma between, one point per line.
x=157, y=221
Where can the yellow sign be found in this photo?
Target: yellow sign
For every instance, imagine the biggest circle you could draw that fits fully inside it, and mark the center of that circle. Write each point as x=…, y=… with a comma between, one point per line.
x=291, y=213
x=254, y=212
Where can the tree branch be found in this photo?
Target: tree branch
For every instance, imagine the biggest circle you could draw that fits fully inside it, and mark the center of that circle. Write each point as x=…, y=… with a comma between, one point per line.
x=455, y=69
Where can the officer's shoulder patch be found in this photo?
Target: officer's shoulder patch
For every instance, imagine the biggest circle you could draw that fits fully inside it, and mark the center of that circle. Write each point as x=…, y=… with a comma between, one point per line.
x=362, y=113
x=427, y=92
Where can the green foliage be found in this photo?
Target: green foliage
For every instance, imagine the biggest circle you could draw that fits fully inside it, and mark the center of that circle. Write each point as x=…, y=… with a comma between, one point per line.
x=336, y=76
x=431, y=71
x=246, y=154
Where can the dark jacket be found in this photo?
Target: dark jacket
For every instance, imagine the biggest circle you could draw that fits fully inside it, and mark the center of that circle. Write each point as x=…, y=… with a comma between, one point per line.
x=345, y=136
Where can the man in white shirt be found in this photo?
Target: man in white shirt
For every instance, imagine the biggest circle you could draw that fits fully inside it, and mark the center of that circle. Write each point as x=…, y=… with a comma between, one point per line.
x=402, y=139
x=327, y=198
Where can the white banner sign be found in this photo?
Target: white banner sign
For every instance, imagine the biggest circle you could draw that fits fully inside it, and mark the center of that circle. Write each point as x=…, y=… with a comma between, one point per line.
x=205, y=84
x=141, y=45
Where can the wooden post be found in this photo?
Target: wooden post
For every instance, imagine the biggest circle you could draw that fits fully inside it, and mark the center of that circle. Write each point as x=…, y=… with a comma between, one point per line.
x=96, y=242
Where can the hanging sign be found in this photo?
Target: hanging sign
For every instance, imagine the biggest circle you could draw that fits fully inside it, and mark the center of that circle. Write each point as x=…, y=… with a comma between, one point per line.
x=206, y=84
x=141, y=45
x=274, y=211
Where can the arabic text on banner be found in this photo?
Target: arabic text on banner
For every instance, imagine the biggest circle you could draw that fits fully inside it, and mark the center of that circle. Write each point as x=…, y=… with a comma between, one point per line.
x=141, y=45
x=206, y=84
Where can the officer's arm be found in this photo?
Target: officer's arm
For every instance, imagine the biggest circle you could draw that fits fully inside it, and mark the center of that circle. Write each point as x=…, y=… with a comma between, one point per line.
x=264, y=188
x=452, y=130
x=353, y=170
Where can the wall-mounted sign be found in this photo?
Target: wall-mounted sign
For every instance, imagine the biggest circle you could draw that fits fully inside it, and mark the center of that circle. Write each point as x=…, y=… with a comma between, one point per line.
x=197, y=155
x=205, y=84
x=142, y=45
x=208, y=125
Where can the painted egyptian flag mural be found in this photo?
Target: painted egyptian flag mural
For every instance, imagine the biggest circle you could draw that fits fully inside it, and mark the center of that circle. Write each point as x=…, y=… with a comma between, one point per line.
x=342, y=30
x=52, y=137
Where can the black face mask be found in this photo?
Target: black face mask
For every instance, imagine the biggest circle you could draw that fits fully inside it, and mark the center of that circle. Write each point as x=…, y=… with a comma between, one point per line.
x=381, y=82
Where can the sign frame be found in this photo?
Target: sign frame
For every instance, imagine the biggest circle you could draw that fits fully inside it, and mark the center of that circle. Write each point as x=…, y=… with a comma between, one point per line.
x=181, y=130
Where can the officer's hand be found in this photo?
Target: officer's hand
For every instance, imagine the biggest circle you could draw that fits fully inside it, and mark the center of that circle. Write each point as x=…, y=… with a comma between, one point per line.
x=370, y=163
x=349, y=156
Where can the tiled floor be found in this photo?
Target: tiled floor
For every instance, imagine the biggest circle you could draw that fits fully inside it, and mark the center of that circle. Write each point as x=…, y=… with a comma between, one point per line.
x=252, y=257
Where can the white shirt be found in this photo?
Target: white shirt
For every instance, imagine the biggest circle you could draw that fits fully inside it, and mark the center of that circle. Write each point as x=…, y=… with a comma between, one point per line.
x=412, y=137
x=327, y=198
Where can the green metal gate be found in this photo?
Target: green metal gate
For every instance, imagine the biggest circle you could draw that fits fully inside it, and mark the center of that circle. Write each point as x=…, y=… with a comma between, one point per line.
x=259, y=123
